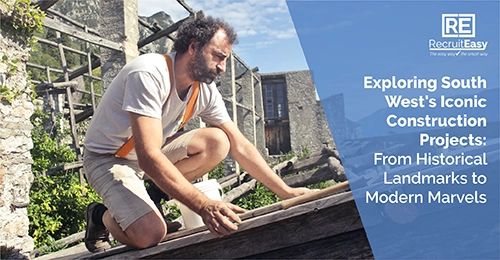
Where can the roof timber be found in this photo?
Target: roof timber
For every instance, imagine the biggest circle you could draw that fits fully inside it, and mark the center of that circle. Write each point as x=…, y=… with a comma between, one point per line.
x=267, y=229
x=165, y=32
x=46, y=4
x=67, y=29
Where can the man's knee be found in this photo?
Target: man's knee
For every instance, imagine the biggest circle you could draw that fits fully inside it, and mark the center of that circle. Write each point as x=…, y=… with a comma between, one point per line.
x=219, y=141
x=147, y=231
x=213, y=142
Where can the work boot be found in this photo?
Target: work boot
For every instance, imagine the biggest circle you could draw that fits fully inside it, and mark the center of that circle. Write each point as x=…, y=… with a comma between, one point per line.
x=96, y=236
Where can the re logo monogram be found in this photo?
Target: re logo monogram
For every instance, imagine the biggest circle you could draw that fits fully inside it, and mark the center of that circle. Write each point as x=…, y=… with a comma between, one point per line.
x=458, y=26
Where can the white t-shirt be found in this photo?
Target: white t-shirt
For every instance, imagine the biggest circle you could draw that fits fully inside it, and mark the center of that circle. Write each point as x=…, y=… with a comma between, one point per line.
x=143, y=86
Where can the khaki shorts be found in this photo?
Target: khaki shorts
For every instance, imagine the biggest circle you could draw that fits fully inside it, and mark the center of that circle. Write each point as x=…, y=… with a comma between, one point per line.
x=120, y=182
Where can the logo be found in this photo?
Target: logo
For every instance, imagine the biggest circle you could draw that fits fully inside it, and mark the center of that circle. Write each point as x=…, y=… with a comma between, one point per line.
x=458, y=25
x=458, y=37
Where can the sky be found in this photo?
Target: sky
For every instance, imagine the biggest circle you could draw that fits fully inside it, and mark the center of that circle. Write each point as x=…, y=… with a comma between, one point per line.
x=267, y=38
x=341, y=41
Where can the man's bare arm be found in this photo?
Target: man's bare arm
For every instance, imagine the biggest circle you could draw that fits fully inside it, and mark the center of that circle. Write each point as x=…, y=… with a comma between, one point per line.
x=252, y=161
x=148, y=139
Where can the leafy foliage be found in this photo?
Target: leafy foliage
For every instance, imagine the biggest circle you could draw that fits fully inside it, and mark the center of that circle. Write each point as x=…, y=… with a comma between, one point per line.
x=259, y=197
x=21, y=20
x=24, y=20
x=217, y=172
x=173, y=212
x=9, y=93
x=57, y=202
x=47, y=150
x=321, y=185
x=57, y=207
x=48, y=56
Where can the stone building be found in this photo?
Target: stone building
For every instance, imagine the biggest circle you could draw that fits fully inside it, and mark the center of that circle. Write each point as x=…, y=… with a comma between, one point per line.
x=15, y=144
x=294, y=117
x=335, y=114
x=342, y=128
x=288, y=114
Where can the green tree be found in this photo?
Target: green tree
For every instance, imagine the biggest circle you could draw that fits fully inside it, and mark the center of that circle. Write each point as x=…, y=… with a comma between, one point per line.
x=57, y=203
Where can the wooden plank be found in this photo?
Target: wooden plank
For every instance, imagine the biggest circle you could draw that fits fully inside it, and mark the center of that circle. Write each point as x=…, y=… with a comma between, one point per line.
x=72, y=73
x=78, y=106
x=315, y=195
x=309, y=177
x=254, y=70
x=309, y=162
x=349, y=245
x=84, y=115
x=69, y=99
x=61, y=27
x=51, y=43
x=240, y=190
x=238, y=104
x=46, y=4
x=165, y=31
x=81, y=70
x=61, y=242
x=90, y=77
x=51, y=92
x=272, y=232
x=234, y=111
x=228, y=177
x=278, y=168
x=57, y=85
x=154, y=28
x=88, y=92
x=80, y=25
x=254, y=116
x=229, y=182
x=261, y=211
x=62, y=56
x=186, y=6
x=65, y=167
x=335, y=214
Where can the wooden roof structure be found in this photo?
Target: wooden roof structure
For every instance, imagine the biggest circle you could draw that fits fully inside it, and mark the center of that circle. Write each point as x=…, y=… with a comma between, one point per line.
x=329, y=227
x=324, y=224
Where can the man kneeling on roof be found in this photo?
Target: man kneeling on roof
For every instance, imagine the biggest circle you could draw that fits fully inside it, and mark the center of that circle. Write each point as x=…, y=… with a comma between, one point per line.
x=133, y=133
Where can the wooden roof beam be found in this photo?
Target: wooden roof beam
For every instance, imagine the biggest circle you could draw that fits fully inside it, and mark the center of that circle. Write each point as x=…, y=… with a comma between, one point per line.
x=46, y=4
x=166, y=31
x=71, y=31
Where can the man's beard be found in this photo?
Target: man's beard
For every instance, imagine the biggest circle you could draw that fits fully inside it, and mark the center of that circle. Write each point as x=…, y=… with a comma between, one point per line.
x=199, y=70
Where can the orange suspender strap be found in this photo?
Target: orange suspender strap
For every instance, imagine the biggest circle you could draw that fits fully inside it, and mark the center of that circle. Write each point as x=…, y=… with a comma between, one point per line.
x=128, y=146
x=190, y=105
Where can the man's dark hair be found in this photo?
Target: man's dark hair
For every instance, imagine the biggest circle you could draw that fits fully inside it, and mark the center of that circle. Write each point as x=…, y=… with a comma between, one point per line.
x=202, y=30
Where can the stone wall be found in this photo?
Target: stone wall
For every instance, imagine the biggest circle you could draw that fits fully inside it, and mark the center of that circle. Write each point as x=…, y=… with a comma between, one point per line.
x=335, y=115
x=119, y=23
x=308, y=126
x=252, y=128
x=15, y=144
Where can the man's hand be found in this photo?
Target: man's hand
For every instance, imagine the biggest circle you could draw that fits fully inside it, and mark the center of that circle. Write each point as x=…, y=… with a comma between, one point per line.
x=294, y=192
x=220, y=217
